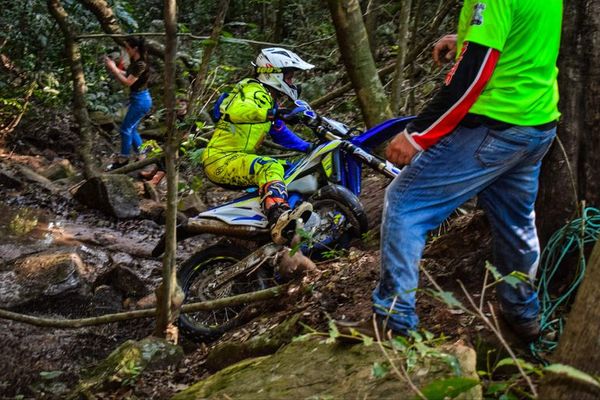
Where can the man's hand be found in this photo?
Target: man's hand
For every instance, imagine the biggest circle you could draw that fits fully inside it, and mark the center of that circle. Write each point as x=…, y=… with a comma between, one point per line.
x=444, y=50
x=400, y=151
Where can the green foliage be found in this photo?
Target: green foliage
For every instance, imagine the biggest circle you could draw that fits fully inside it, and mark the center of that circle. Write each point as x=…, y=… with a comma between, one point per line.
x=572, y=373
x=512, y=279
x=380, y=370
x=448, y=388
x=130, y=372
x=334, y=254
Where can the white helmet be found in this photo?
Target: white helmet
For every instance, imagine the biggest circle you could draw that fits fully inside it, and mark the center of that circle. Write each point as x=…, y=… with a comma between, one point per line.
x=273, y=62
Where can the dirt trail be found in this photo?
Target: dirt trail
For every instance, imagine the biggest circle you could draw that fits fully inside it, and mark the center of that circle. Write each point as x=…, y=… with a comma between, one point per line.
x=43, y=363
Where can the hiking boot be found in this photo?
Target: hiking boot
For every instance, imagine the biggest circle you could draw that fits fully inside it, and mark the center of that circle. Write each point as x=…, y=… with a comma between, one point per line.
x=283, y=221
x=377, y=325
x=117, y=162
x=527, y=331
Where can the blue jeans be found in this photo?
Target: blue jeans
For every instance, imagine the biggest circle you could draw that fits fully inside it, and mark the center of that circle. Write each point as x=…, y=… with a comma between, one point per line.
x=139, y=105
x=502, y=169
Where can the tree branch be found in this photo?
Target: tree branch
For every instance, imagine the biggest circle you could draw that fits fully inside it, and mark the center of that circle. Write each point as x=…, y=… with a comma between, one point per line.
x=210, y=305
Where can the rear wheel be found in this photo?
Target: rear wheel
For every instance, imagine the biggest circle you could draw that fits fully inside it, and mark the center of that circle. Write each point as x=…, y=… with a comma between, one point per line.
x=198, y=277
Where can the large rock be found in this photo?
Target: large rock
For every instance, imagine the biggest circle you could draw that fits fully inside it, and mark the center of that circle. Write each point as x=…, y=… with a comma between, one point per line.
x=9, y=180
x=315, y=369
x=191, y=205
x=42, y=278
x=269, y=342
x=113, y=194
x=126, y=281
x=59, y=170
x=124, y=365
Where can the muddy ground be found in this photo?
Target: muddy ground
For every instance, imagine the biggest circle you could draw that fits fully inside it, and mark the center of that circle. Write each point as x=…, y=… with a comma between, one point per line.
x=44, y=362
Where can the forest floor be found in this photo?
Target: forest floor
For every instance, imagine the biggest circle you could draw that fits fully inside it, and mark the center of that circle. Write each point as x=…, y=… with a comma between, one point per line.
x=45, y=362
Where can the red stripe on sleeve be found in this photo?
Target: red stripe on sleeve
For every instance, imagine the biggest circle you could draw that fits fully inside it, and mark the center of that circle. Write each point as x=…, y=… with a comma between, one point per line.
x=451, y=118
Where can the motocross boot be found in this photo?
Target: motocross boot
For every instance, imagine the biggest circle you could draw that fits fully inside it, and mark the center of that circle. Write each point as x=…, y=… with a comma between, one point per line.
x=282, y=220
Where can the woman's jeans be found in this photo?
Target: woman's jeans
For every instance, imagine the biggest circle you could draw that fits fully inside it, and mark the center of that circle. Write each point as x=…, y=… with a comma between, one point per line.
x=140, y=104
x=502, y=169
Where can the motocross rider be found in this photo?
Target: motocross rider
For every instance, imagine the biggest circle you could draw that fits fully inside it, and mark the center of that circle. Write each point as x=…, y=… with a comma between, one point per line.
x=247, y=114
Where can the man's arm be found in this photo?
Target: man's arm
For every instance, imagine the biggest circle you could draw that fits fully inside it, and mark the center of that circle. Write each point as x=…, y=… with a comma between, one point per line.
x=464, y=83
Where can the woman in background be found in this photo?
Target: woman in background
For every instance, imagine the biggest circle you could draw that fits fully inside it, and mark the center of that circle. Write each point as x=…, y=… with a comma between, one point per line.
x=140, y=102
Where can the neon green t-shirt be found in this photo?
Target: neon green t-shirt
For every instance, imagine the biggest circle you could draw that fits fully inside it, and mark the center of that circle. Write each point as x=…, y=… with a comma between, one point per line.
x=523, y=89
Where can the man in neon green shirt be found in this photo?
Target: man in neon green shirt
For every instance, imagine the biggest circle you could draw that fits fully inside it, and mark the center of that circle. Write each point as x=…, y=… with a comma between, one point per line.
x=247, y=115
x=484, y=134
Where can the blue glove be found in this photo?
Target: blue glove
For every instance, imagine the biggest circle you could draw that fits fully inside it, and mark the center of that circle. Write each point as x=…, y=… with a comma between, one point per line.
x=301, y=111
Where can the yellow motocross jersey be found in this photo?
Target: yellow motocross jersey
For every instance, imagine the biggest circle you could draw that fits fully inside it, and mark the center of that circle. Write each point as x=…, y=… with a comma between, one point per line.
x=243, y=123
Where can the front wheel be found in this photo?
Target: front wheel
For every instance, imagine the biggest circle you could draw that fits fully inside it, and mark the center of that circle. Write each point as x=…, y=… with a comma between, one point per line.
x=338, y=217
x=198, y=277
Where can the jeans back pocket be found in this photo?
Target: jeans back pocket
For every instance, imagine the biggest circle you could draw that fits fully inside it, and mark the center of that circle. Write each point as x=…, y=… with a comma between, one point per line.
x=500, y=148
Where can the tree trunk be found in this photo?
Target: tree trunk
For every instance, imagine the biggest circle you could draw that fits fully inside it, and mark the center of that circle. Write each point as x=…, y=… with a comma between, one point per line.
x=357, y=57
x=165, y=313
x=371, y=10
x=403, y=34
x=571, y=175
x=279, y=22
x=209, y=47
x=579, y=129
x=579, y=344
x=79, y=87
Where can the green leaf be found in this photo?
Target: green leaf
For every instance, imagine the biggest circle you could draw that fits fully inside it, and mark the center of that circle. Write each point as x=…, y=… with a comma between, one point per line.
x=573, y=373
x=333, y=330
x=416, y=335
x=448, y=388
x=302, y=338
x=49, y=375
x=367, y=340
x=448, y=298
x=379, y=370
x=509, y=361
x=428, y=335
x=494, y=271
x=400, y=343
x=508, y=396
x=515, y=277
x=496, y=387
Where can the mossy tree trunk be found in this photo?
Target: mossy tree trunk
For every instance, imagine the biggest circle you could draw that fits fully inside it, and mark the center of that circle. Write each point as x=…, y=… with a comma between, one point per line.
x=571, y=175
x=79, y=86
x=104, y=13
x=356, y=54
x=579, y=344
x=166, y=313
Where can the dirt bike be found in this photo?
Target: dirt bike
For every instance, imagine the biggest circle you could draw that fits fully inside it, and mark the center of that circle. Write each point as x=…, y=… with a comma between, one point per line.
x=329, y=177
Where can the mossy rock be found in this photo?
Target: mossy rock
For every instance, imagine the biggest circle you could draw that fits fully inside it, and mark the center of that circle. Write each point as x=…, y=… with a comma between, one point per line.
x=125, y=364
x=317, y=370
x=269, y=342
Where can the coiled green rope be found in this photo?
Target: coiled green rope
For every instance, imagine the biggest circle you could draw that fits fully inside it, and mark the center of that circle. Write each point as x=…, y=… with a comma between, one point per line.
x=569, y=239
